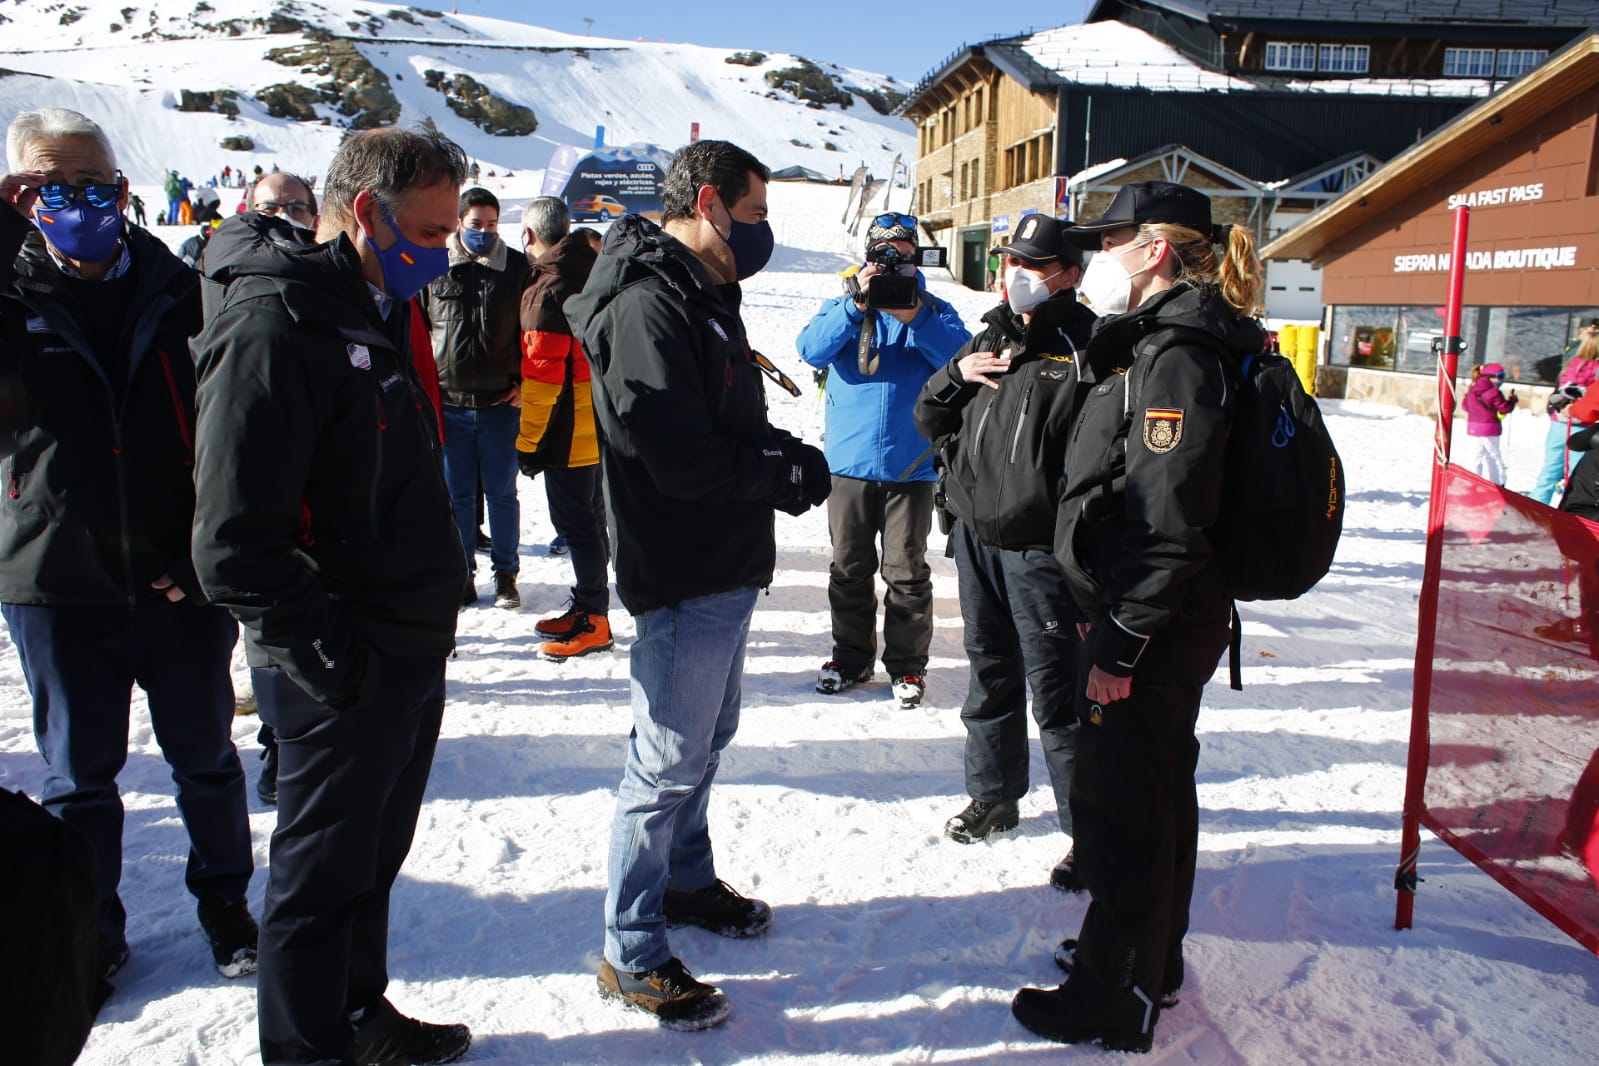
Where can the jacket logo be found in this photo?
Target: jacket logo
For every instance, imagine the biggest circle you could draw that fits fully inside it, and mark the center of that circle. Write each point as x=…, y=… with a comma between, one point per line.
x=36, y=324
x=1053, y=375
x=1056, y=358
x=1163, y=429
x=720, y=332
x=360, y=356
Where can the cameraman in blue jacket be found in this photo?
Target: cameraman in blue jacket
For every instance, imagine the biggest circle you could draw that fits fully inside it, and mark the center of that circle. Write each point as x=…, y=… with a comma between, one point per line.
x=877, y=358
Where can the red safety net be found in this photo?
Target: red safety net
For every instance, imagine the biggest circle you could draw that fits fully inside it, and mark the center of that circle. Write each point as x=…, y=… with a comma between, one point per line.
x=1513, y=713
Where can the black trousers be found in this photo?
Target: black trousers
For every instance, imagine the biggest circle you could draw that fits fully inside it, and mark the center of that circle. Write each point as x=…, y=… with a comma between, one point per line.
x=577, y=510
x=1020, y=630
x=901, y=514
x=81, y=663
x=1136, y=812
x=350, y=786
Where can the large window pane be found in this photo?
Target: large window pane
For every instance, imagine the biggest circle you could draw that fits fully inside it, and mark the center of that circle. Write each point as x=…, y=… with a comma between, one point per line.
x=1417, y=328
x=1362, y=336
x=1534, y=343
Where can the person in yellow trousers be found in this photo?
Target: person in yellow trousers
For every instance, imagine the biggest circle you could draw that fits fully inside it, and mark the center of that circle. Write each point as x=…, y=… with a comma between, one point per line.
x=557, y=437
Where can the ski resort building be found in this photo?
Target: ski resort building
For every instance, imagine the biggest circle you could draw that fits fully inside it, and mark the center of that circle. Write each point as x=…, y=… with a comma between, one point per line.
x=1526, y=163
x=1272, y=106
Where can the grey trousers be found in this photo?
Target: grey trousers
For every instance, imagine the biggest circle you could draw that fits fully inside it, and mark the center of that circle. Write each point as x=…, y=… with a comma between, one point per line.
x=901, y=514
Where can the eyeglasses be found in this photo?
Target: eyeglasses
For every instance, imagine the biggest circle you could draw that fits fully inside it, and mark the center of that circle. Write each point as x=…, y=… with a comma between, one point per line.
x=297, y=208
x=58, y=195
x=891, y=220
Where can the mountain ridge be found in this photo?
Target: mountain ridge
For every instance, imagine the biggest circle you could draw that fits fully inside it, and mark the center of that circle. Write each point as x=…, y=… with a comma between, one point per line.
x=173, y=79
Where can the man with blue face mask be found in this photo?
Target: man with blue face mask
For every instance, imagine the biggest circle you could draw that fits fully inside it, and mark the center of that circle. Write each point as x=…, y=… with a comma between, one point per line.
x=326, y=528
x=474, y=315
x=96, y=581
x=693, y=471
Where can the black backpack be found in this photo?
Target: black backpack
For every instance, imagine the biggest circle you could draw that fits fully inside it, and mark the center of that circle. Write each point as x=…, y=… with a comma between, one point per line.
x=1282, y=486
x=1283, y=509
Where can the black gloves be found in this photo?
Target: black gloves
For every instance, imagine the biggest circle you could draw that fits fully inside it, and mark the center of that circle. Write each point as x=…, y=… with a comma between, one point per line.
x=530, y=463
x=803, y=479
x=1561, y=397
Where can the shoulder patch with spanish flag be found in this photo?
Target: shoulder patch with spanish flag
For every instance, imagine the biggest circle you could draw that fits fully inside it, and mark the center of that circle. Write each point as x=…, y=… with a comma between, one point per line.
x=1163, y=429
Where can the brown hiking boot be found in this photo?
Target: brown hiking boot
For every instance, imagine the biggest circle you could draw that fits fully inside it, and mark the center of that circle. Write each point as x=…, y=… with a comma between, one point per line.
x=591, y=633
x=669, y=992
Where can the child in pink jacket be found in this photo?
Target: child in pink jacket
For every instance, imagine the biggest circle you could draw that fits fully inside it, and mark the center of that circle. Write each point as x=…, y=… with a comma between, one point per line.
x=1484, y=406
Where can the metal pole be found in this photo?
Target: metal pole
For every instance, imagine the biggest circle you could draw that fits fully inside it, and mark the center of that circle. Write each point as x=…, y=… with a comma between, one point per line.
x=1405, y=879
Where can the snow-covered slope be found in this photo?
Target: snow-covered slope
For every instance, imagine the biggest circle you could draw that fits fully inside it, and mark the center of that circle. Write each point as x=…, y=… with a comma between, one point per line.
x=129, y=67
x=891, y=944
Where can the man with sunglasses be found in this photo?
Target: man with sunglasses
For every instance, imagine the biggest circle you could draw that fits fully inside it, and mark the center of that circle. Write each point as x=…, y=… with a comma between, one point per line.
x=876, y=364
x=281, y=194
x=96, y=583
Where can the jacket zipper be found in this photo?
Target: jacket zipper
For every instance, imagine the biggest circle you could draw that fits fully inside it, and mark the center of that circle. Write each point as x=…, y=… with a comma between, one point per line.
x=1021, y=420
x=177, y=406
x=977, y=438
x=377, y=467
x=122, y=503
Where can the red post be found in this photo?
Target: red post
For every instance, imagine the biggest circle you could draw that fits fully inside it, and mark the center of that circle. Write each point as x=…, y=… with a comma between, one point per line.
x=1427, y=621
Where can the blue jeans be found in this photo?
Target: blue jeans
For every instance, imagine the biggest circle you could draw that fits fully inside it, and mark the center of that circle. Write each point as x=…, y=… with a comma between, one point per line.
x=1554, y=460
x=687, y=667
x=480, y=443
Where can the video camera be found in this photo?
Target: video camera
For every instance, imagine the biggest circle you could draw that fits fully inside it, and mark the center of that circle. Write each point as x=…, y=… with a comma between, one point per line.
x=891, y=290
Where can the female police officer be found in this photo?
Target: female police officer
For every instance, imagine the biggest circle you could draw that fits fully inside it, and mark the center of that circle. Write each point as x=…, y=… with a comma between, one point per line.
x=1142, y=487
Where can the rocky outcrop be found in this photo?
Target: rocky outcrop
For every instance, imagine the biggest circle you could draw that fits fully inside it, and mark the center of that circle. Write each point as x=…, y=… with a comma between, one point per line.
x=810, y=83
x=222, y=101
x=353, y=87
x=474, y=101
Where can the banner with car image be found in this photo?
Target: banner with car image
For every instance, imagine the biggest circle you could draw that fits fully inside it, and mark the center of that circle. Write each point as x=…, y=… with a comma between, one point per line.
x=602, y=184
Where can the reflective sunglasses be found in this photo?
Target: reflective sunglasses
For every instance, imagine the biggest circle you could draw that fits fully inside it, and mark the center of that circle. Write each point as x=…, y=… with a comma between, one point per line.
x=58, y=195
x=770, y=369
x=297, y=208
x=892, y=219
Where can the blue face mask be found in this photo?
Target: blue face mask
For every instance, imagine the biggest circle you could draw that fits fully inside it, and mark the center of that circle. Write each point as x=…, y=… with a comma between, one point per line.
x=752, y=244
x=407, y=266
x=478, y=241
x=81, y=232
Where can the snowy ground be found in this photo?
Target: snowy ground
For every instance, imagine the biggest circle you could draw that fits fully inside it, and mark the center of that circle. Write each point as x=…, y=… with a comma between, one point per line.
x=892, y=944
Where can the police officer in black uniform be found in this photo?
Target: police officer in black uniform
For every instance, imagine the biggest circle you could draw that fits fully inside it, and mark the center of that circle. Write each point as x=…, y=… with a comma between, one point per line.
x=998, y=412
x=1142, y=488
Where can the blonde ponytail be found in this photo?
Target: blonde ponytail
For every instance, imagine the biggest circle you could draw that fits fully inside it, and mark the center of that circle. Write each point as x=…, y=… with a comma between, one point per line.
x=1236, y=275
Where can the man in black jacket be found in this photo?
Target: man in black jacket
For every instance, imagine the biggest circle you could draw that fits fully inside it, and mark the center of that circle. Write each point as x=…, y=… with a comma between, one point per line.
x=474, y=315
x=692, y=473
x=96, y=583
x=327, y=529
x=998, y=412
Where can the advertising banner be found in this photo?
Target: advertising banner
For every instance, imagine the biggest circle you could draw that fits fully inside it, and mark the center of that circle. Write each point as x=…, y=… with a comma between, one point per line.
x=600, y=185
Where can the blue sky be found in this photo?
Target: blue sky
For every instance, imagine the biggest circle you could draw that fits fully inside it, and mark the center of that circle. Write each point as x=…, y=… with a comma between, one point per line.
x=905, y=38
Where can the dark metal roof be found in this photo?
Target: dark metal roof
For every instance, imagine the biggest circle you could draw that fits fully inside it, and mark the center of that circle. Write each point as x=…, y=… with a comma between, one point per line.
x=1575, y=14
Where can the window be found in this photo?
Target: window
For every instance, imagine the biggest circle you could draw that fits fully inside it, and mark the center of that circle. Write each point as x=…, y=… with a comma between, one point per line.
x=1514, y=62
x=1344, y=59
x=1468, y=62
x=1290, y=56
x=977, y=170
